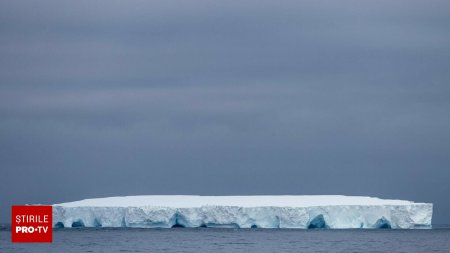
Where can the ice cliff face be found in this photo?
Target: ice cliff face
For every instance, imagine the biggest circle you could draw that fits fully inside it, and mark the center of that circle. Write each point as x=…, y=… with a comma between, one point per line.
x=243, y=212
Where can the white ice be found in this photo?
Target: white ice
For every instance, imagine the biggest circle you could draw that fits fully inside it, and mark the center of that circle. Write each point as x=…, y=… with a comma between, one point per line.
x=303, y=211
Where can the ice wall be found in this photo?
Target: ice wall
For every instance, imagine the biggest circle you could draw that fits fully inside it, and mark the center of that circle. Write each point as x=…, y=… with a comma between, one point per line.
x=262, y=212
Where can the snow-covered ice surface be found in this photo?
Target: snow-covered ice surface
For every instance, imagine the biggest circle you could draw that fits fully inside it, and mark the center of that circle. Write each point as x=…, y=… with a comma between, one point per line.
x=302, y=211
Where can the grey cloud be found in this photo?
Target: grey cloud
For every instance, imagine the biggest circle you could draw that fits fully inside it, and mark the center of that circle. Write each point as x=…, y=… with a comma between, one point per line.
x=207, y=97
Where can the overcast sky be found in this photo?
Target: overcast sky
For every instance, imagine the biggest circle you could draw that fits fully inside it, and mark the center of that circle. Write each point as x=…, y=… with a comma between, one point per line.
x=106, y=98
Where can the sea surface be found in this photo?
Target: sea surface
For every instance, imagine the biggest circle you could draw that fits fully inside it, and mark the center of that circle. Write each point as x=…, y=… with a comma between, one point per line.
x=234, y=240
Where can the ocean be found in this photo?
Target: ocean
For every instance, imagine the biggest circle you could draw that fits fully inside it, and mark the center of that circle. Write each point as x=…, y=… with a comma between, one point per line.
x=234, y=240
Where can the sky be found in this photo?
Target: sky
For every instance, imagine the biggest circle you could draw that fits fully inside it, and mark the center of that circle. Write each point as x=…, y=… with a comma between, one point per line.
x=116, y=98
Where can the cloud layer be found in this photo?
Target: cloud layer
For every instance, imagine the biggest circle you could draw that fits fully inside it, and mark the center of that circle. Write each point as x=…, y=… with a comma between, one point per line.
x=202, y=97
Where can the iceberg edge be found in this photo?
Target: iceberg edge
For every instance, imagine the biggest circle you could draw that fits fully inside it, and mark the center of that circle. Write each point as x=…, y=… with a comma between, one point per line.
x=243, y=212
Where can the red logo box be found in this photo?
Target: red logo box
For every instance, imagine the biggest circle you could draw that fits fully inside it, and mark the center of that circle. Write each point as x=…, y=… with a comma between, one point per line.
x=31, y=224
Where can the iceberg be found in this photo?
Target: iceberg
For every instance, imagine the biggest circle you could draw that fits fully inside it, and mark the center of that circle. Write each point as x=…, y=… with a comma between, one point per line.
x=284, y=211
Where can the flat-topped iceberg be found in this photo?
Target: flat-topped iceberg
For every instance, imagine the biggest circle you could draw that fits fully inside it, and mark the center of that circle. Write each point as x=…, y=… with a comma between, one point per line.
x=166, y=211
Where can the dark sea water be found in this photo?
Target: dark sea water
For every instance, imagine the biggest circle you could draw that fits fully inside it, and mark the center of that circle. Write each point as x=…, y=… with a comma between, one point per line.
x=235, y=240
